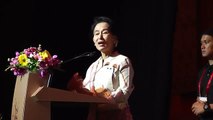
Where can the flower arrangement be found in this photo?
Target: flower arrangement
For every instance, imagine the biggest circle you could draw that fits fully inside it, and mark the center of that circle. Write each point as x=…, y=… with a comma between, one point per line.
x=32, y=59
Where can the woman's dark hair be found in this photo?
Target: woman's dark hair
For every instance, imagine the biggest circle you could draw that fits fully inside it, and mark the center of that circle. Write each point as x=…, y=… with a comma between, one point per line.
x=209, y=32
x=112, y=26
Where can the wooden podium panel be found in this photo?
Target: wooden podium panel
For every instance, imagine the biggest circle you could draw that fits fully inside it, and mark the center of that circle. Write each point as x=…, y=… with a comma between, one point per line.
x=23, y=107
x=32, y=98
x=52, y=94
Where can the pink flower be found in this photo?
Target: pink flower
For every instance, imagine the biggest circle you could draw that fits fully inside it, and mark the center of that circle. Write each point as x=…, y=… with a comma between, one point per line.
x=34, y=60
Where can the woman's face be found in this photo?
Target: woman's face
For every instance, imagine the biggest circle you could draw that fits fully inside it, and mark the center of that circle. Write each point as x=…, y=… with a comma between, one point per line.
x=207, y=46
x=103, y=39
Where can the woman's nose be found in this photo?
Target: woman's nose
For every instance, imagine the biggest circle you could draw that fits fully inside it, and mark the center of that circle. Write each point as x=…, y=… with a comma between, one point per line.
x=100, y=36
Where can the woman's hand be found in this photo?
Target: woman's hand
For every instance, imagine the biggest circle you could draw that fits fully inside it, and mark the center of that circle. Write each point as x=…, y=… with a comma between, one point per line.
x=75, y=83
x=102, y=92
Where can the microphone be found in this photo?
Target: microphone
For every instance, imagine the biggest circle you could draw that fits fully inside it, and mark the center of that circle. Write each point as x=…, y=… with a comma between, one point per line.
x=91, y=54
x=86, y=54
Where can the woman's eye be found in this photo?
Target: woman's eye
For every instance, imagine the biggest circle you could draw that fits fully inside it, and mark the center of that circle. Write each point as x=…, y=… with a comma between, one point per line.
x=105, y=32
x=96, y=33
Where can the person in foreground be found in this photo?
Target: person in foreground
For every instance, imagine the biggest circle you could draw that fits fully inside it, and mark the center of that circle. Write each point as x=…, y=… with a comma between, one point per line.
x=110, y=76
x=203, y=106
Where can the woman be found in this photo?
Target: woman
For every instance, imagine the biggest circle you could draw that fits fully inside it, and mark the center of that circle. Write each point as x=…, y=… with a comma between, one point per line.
x=110, y=76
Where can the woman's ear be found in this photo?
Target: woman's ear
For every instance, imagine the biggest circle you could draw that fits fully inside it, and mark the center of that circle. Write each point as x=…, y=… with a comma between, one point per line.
x=115, y=38
x=116, y=43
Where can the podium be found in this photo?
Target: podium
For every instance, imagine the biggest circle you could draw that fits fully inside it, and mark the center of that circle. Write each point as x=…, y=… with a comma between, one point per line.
x=32, y=98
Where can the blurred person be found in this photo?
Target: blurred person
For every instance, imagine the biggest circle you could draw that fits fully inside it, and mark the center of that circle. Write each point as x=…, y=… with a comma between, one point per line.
x=203, y=106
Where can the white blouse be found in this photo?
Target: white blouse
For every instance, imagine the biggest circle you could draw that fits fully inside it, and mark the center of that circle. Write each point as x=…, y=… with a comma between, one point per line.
x=115, y=74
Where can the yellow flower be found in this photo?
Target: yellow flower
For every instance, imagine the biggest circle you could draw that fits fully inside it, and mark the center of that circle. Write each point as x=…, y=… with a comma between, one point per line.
x=45, y=54
x=23, y=60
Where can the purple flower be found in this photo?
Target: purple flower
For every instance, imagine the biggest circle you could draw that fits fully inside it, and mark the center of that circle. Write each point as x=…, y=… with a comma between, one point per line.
x=35, y=60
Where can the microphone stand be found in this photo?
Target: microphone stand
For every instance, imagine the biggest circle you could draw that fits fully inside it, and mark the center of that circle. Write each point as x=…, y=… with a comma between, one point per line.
x=86, y=54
